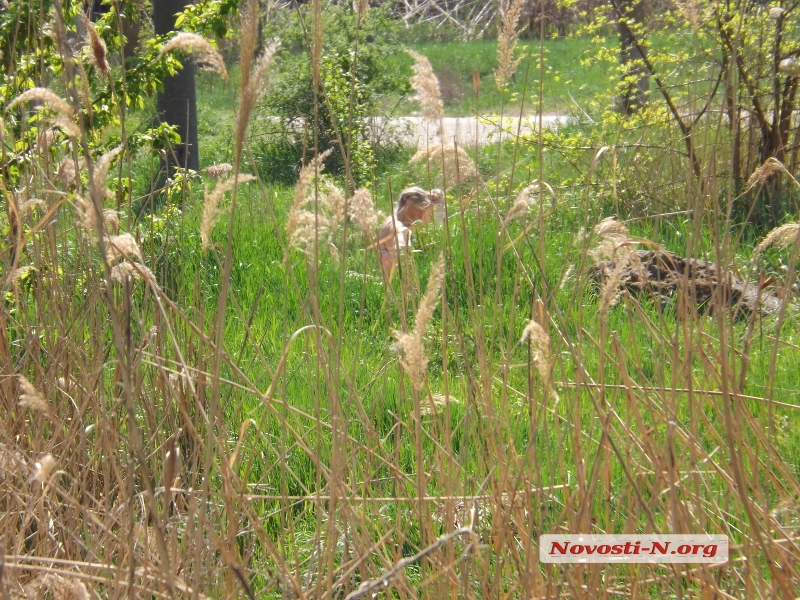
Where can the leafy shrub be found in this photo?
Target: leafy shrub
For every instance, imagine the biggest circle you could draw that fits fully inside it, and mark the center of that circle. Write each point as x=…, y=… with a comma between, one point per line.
x=357, y=83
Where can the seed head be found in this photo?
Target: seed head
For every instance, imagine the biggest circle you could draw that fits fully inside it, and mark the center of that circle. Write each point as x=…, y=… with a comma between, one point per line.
x=211, y=210
x=205, y=54
x=507, y=37
x=362, y=211
x=44, y=468
x=122, y=246
x=780, y=237
x=763, y=173
x=455, y=163
x=409, y=346
x=98, y=46
x=52, y=100
x=426, y=86
x=30, y=397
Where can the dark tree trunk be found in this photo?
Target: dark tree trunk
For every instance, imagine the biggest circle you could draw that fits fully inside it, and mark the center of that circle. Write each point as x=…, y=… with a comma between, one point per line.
x=634, y=95
x=177, y=104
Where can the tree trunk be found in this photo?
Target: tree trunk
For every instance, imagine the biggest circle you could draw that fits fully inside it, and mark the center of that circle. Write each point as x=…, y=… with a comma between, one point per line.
x=177, y=103
x=634, y=94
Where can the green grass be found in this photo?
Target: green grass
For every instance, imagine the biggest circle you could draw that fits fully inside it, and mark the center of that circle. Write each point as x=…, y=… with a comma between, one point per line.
x=323, y=477
x=566, y=80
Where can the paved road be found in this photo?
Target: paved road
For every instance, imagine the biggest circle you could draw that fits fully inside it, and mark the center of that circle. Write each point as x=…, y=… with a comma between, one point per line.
x=464, y=130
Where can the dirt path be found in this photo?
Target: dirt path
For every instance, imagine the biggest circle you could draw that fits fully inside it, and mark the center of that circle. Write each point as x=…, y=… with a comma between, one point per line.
x=465, y=131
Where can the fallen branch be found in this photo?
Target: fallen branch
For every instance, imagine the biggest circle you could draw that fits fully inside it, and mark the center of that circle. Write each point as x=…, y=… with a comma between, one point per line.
x=371, y=585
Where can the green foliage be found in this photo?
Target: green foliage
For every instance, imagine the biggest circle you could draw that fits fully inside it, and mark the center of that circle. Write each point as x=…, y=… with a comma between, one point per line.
x=692, y=53
x=208, y=16
x=357, y=80
x=103, y=97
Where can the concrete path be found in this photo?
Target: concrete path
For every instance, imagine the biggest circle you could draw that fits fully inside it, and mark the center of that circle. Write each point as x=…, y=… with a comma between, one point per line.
x=465, y=131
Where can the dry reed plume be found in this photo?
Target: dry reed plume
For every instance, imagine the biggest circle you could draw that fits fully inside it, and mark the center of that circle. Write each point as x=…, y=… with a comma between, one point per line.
x=317, y=209
x=455, y=163
x=47, y=97
x=436, y=403
x=205, y=54
x=254, y=87
x=218, y=171
x=525, y=199
x=124, y=270
x=426, y=86
x=616, y=245
x=101, y=168
x=780, y=237
x=763, y=173
x=86, y=210
x=507, y=37
x=29, y=205
x=122, y=246
x=211, y=211
x=43, y=468
x=362, y=211
x=30, y=397
x=66, y=125
x=97, y=46
x=57, y=586
x=409, y=346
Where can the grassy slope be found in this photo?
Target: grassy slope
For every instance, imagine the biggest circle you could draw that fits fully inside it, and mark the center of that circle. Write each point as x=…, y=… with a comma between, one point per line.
x=501, y=427
x=364, y=344
x=454, y=64
x=365, y=339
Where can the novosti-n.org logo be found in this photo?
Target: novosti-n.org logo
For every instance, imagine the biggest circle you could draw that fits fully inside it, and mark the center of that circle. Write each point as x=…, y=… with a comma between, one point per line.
x=638, y=548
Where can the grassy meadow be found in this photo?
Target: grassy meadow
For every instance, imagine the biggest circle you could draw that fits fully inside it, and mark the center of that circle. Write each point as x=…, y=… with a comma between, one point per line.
x=317, y=459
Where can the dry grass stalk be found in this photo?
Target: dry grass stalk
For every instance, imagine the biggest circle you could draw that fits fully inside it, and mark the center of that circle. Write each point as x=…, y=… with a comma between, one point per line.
x=507, y=38
x=124, y=270
x=409, y=346
x=29, y=205
x=426, y=86
x=122, y=246
x=616, y=245
x=205, y=54
x=101, y=168
x=251, y=92
x=762, y=174
x=30, y=397
x=436, y=403
x=43, y=469
x=98, y=47
x=211, y=210
x=525, y=200
x=47, y=97
x=540, y=344
x=362, y=211
x=780, y=237
x=218, y=171
x=453, y=160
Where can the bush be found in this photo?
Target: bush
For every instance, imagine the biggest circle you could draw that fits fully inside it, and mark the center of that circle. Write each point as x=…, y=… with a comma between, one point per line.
x=354, y=52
